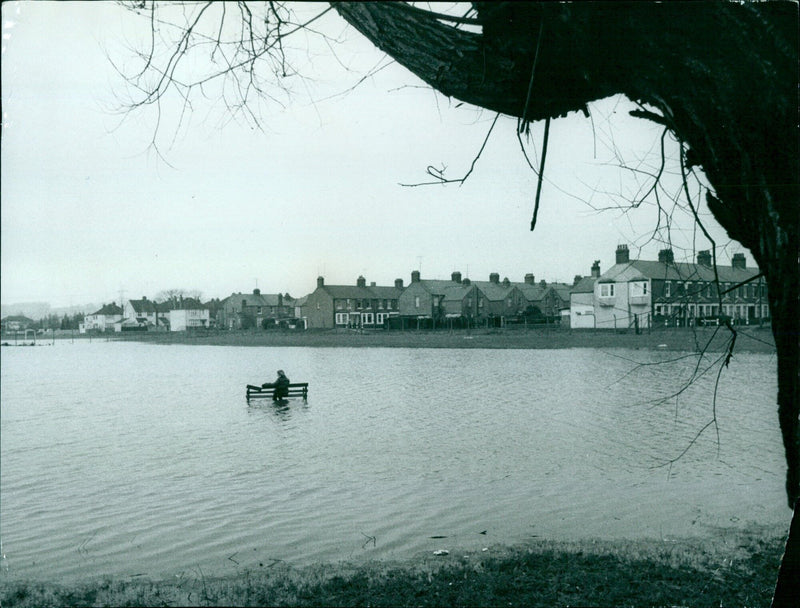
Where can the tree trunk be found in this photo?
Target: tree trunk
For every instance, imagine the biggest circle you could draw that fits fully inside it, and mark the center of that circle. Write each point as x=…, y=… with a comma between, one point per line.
x=722, y=75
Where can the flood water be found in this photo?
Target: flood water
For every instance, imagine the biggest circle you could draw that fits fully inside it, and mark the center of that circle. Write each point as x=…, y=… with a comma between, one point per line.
x=130, y=459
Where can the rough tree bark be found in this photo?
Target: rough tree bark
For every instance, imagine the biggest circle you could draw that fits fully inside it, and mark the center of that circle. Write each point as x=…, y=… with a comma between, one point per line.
x=721, y=76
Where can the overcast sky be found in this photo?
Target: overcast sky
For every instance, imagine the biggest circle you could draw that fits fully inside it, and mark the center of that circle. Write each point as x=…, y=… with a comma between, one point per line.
x=91, y=212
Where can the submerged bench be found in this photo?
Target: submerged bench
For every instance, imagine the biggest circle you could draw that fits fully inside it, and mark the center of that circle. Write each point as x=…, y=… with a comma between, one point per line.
x=295, y=389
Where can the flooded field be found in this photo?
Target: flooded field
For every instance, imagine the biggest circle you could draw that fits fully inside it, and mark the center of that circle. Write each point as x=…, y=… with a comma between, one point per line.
x=134, y=459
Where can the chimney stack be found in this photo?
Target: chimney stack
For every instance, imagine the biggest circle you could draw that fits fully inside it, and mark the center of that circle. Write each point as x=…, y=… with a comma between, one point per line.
x=738, y=261
x=665, y=256
x=466, y=282
x=361, y=282
x=704, y=257
x=530, y=279
x=415, y=276
x=456, y=277
x=596, y=269
x=494, y=278
x=320, y=282
x=576, y=279
x=506, y=282
x=542, y=283
x=256, y=292
x=398, y=283
x=623, y=255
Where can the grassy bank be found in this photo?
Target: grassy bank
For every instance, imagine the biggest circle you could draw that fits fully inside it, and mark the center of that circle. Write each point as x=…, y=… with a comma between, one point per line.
x=734, y=569
x=749, y=339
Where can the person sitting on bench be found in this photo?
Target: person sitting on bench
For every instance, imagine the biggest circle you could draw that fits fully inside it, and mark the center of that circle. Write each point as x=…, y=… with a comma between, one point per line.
x=281, y=386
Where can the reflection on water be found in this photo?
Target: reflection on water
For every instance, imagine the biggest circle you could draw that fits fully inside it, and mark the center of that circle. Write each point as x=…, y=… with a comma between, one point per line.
x=130, y=459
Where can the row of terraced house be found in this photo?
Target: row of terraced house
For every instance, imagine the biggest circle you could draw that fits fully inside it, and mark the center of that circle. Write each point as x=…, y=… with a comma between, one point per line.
x=664, y=293
x=631, y=294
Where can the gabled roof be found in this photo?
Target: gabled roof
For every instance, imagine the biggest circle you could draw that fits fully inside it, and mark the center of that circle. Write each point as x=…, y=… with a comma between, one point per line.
x=562, y=289
x=143, y=306
x=532, y=293
x=494, y=291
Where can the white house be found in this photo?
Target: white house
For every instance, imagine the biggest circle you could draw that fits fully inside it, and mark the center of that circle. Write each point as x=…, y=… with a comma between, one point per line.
x=581, y=300
x=101, y=320
x=187, y=313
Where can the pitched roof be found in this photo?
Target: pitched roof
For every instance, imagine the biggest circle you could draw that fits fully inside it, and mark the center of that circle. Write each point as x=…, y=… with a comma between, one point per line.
x=109, y=310
x=532, y=293
x=679, y=271
x=562, y=289
x=356, y=292
x=494, y=291
x=143, y=306
x=449, y=289
x=585, y=285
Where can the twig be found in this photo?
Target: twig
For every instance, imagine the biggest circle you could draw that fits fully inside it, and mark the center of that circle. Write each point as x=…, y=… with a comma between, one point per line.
x=541, y=173
x=439, y=174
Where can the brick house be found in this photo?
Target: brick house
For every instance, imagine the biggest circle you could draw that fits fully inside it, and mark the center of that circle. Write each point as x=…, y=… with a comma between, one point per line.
x=251, y=310
x=358, y=305
x=503, y=299
x=437, y=300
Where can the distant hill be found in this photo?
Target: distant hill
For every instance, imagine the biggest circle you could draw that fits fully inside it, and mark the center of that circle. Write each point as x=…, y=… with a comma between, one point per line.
x=40, y=310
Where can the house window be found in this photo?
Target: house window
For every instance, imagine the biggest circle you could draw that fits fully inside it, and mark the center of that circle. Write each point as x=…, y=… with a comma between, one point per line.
x=638, y=288
x=607, y=290
x=380, y=317
x=394, y=304
x=367, y=318
x=341, y=318
x=416, y=301
x=338, y=305
x=667, y=288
